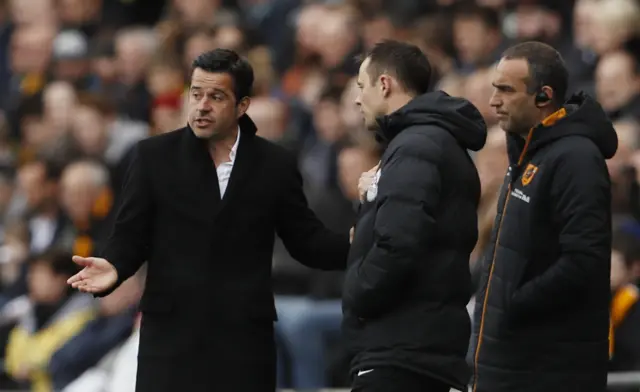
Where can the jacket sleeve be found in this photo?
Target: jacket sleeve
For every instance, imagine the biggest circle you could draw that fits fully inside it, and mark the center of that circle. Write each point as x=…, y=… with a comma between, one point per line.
x=128, y=244
x=86, y=349
x=303, y=235
x=580, y=195
x=408, y=196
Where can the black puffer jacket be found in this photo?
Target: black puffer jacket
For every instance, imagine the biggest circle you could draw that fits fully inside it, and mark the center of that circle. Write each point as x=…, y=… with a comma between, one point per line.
x=541, y=321
x=407, y=283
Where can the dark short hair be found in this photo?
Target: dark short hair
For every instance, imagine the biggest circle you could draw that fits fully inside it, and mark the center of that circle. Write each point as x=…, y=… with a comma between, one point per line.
x=228, y=61
x=405, y=61
x=546, y=68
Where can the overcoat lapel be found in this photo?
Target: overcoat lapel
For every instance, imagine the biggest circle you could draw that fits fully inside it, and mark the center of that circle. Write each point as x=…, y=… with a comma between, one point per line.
x=199, y=176
x=246, y=158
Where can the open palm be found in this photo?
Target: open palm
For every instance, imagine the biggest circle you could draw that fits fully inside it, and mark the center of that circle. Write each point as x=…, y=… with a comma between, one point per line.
x=97, y=275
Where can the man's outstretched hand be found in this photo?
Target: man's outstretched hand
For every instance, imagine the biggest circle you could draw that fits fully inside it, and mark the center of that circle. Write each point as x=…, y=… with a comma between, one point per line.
x=97, y=275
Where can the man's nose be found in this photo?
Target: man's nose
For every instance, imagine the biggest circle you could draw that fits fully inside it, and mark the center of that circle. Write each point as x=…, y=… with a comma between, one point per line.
x=494, y=101
x=203, y=105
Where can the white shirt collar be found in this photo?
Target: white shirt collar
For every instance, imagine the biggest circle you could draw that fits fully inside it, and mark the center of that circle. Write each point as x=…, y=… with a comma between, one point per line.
x=234, y=149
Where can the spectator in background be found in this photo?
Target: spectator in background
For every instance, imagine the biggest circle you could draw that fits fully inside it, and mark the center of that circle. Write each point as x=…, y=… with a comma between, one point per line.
x=38, y=182
x=618, y=84
x=102, y=134
x=59, y=100
x=70, y=59
x=57, y=313
x=86, y=198
x=625, y=305
x=477, y=36
x=620, y=166
x=112, y=326
x=134, y=48
x=613, y=22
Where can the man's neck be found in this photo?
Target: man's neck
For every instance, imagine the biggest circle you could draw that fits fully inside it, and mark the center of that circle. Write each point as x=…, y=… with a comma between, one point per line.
x=219, y=148
x=544, y=113
x=398, y=102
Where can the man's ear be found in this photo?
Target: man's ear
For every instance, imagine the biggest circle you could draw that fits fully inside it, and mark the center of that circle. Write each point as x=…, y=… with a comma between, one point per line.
x=385, y=83
x=243, y=106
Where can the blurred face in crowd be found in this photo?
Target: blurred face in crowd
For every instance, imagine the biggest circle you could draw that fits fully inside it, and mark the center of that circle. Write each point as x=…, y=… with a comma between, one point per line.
x=349, y=113
x=473, y=39
x=535, y=23
x=616, y=80
x=326, y=121
x=213, y=106
x=106, y=68
x=78, y=192
x=89, y=129
x=34, y=131
x=376, y=30
x=163, y=80
x=613, y=22
x=133, y=54
x=373, y=94
x=269, y=115
x=514, y=106
x=229, y=37
x=6, y=193
x=335, y=38
x=194, y=12
x=195, y=45
x=31, y=48
x=492, y=160
x=478, y=90
x=582, y=21
x=352, y=162
x=25, y=12
x=76, y=12
x=166, y=119
x=59, y=102
x=37, y=190
x=619, y=270
x=45, y=286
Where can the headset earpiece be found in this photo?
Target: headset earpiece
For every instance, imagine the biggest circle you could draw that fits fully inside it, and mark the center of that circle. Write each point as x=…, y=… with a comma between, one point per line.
x=542, y=97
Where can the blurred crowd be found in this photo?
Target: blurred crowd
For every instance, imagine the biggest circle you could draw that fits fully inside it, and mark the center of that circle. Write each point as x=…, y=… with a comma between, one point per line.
x=81, y=81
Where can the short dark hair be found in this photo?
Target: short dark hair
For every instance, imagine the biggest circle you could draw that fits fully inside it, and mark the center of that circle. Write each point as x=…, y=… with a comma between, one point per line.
x=228, y=61
x=405, y=61
x=546, y=68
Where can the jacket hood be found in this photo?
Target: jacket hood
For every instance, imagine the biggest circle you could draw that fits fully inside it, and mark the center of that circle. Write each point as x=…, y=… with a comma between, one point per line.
x=582, y=116
x=457, y=115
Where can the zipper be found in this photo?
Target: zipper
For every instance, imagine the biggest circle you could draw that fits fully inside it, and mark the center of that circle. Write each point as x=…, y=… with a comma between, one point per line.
x=514, y=177
x=486, y=292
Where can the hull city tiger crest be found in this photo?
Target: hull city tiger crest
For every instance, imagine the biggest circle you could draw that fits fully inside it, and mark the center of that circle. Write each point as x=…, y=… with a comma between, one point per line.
x=529, y=173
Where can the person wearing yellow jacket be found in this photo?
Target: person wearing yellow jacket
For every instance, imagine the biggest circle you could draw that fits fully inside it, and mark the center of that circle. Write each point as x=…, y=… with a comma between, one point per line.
x=55, y=316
